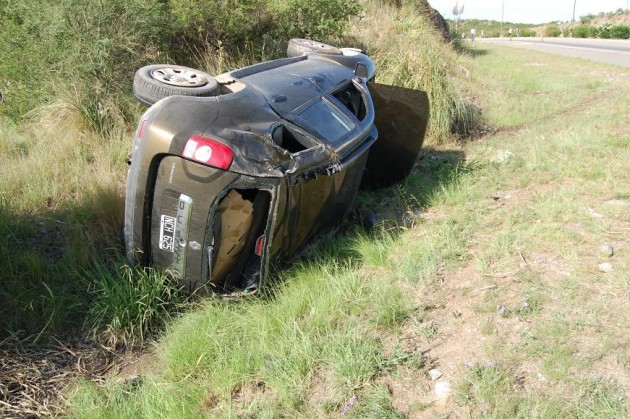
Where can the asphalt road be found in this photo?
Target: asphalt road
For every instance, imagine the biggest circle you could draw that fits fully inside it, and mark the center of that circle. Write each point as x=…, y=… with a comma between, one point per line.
x=612, y=51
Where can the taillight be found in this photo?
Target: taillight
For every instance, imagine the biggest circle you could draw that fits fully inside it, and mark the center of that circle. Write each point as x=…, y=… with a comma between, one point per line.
x=259, y=245
x=208, y=151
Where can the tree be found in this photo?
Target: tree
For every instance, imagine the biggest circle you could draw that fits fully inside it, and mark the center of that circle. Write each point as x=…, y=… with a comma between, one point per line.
x=458, y=11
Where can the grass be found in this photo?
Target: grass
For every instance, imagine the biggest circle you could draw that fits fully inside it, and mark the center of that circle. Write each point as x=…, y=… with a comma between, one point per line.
x=493, y=279
x=488, y=252
x=419, y=60
x=62, y=165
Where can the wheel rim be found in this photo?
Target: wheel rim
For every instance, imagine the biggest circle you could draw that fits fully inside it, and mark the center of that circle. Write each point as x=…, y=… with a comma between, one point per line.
x=180, y=77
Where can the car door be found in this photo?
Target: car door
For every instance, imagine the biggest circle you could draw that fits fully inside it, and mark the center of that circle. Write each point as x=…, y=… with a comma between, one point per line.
x=401, y=117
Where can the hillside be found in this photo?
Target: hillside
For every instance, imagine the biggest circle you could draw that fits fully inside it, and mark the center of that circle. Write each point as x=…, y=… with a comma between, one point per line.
x=491, y=28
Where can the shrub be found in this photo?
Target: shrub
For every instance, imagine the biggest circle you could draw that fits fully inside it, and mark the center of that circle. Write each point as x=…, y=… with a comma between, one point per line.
x=316, y=19
x=620, y=32
x=528, y=33
x=605, y=31
x=552, y=31
x=73, y=45
x=96, y=47
x=595, y=31
x=581, y=31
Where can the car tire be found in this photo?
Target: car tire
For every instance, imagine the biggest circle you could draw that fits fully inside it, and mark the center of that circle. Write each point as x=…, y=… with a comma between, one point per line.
x=154, y=82
x=299, y=46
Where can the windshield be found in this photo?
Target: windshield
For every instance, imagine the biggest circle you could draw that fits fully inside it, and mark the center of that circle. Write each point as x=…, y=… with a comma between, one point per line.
x=327, y=121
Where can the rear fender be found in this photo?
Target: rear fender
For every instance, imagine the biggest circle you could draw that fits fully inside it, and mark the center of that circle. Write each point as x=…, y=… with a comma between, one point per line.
x=401, y=117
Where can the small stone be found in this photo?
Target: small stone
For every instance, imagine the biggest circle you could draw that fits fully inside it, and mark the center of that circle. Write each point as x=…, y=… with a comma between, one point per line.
x=442, y=390
x=435, y=374
x=433, y=157
x=605, y=267
x=607, y=250
x=594, y=213
x=502, y=157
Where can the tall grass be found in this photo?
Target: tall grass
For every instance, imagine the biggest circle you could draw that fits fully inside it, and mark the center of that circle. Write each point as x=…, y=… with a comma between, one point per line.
x=61, y=215
x=130, y=304
x=410, y=53
x=319, y=334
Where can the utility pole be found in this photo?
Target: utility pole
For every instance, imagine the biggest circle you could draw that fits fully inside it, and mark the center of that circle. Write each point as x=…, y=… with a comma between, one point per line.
x=502, y=10
x=573, y=21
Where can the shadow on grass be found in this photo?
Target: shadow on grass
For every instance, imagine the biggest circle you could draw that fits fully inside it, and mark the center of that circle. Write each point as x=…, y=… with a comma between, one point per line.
x=44, y=258
x=433, y=170
x=465, y=48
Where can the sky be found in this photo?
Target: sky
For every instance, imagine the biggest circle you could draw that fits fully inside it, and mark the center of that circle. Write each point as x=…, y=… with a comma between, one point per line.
x=527, y=11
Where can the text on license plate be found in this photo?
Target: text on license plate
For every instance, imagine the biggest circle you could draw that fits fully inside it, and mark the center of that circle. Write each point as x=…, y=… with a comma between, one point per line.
x=167, y=233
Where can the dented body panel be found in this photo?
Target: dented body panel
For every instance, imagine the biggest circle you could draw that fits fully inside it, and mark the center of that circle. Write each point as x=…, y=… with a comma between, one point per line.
x=300, y=131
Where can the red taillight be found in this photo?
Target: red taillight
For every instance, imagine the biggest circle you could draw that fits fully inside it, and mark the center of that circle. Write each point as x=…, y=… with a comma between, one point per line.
x=208, y=151
x=260, y=242
x=143, y=126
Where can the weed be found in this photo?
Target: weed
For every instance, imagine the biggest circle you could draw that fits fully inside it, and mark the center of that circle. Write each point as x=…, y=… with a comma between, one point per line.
x=128, y=305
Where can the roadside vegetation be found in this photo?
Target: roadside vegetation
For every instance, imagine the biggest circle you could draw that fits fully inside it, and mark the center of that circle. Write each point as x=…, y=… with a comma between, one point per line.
x=501, y=262
x=612, y=25
x=66, y=119
x=491, y=28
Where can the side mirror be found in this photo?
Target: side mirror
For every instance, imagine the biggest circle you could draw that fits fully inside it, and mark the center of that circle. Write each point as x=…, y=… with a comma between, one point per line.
x=361, y=71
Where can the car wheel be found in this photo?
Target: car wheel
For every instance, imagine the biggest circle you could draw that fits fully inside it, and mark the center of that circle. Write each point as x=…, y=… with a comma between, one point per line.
x=298, y=46
x=154, y=82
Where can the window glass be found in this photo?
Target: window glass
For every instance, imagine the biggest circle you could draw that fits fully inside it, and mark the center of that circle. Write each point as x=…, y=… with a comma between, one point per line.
x=327, y=121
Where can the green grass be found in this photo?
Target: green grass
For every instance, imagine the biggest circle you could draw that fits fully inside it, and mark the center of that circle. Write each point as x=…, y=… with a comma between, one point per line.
x=318, y=333
x=63, y=147
x=513, y=220
x=494, y=278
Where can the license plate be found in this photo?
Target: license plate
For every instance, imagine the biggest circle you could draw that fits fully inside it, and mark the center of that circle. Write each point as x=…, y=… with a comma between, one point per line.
x=167, y=233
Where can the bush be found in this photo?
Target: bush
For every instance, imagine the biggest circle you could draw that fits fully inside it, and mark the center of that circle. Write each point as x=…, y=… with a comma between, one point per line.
x=581, y=31
x=73, y=45
x=96, y=47
x=620, y=32
x=528, y=33
x=316, y=19
x=595, y=31
x=552, y=31
x=605, y=31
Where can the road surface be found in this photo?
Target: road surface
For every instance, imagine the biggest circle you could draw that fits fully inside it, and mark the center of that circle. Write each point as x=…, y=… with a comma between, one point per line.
x=612, y=51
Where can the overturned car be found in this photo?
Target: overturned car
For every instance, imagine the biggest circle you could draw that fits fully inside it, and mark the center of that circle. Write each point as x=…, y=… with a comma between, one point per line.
x=232, y=174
